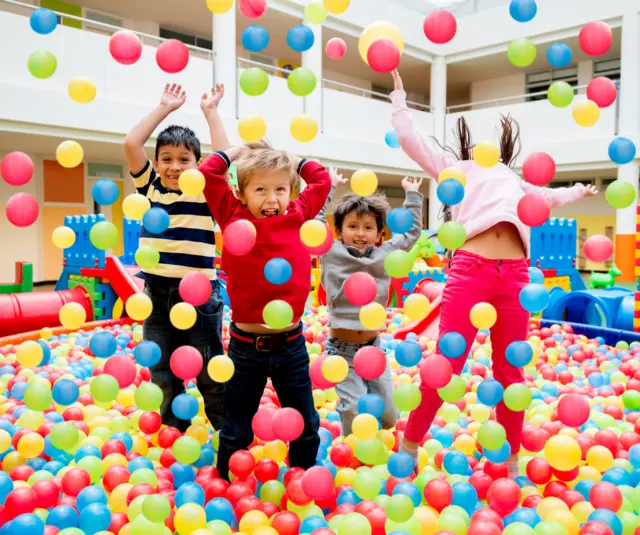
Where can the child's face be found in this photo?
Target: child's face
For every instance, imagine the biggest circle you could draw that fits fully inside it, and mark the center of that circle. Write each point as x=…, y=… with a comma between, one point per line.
x=267, y=194
x=171, y=162
x=360, y=232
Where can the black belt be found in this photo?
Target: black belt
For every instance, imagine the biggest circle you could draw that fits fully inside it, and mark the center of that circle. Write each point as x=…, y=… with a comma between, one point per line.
x=265, y=342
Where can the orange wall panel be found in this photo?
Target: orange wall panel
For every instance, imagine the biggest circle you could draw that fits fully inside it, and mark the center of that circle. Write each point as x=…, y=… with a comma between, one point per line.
x=52, y=217
x=62, y=184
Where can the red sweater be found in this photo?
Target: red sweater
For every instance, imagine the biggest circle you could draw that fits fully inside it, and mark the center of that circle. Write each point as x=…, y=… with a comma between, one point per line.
x=277, y=237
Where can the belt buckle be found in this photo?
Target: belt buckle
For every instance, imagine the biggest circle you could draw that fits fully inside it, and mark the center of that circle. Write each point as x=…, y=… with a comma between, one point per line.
x=258, y=340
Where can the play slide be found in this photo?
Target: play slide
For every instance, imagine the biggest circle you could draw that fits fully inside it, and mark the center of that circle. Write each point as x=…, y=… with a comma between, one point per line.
x=428, y=326
x=122, y=278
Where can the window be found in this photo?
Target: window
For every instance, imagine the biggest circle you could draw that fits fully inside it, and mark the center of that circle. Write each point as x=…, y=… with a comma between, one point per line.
x=569, y=183
x=540, y=81
x=104, y=170
x=101, y=19
x=380, y=89
x=259, y=58
x=609, y=68
x=187, y=39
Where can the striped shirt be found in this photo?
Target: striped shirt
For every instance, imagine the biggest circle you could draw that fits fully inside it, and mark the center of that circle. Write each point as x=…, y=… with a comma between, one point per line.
x=189, y=243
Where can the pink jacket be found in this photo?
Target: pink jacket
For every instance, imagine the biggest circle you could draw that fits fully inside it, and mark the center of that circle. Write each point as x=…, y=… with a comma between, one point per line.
x=491, y=195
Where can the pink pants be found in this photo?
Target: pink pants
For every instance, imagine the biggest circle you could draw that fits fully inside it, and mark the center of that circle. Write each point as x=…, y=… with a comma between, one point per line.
x=474, y=279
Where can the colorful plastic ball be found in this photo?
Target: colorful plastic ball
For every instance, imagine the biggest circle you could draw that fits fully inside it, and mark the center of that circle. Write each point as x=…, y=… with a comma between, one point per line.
x=533, y=209
x=539, y=168
x=252, y=9
x=186, y=362
x=220, y=368
x=184, y=407
x=315, y=12
x=239, y=237
x=105, y=192
x=103, y=235
x=436, y=371
x=156, y=220
x=416, y=307
x=598, y=248
x=29, y=354
x=586, y=113
x=69, y=154
x=486, y=154
x=122, y=369
x=452, y=345
x=42, y=64
x=16, y=168
x=336, y=7
x=189, y=517
x=523, y=10
x=22, y=209
x=360, y=289
x=302, y=81
x=369, y=363
x=376, y=31
x=72, y=316
x=560, y=94
x=483, y=316
x=334, y=368
x=147, y=353
x=521, y=52
x=398, y=264
x=37, y=397
x=519, y=354
x=82, y=90
x=288, y=424
x=191, y=182
x=383, y=56
x=139, y=307
x=620, y=194
x=364, y=182
x=219, y=7
x=562, y=452
x=300, y=38
x=336, y=48
x=135, y=205
x=277, y=314
x=304, y=128
x=408, y=354
x=183, y=316
x=440, y=26
x=104, y=388
x=255, y=38
x=491, y=435
x=172, y=56
x=391, y=139
x=450, y=192
x=43, y=21
x=622, y=151
x=252, y=128
x=452, y=235
x=195, y=288
x=534, y=298
x=103, y=344
x=517, y=397
x=254, y=81
x=603, y=91
x=147, y=257
x=125, y=47
x=595, y=38
x=65, y=392
x=559, y=55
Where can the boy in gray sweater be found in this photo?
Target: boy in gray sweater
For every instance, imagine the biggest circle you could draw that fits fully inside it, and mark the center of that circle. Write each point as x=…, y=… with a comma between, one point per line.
x=359, y=223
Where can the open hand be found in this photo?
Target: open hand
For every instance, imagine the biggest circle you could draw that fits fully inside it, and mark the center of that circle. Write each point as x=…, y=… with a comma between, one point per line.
x=173, y=97
x=411, y=183
x=336, y=178
x=211, y=100
x=397, y=81
x=590, y=191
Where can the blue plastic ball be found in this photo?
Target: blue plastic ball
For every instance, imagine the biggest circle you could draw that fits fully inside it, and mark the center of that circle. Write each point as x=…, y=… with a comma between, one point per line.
x=559, y=55
x=277, y=271
x=156, y=220
x=452, y=345
x=63, y=516
x=399, y=220
x=94, y=518
x=65, y=392
x=6, y=486
x=525, y=515
x=608, y=518
x=400, y=465
x=622, y=150
x=312, y=523
x=348, y=496
x=300, y=38
x=103, y=344
x=27, y=524
x=185, y=406
x=584, y=487
x=409, y=489
x=523, y=10
x=536, y=275
x=138, y=463
x=371, y=404
x=500, y=455
x=456, y=462
x=189, y=493
x=490, y=392
x=465, y=496
x=89, y=495
x=105, y=192
x=18, y=390
x=219, y=509
x=634, y=455
x=391, y=139
x=534, y=298
x=147, y=353
x=519, y=354
x=43, y=21
x=450, y=192
x=408, y=354
x=255, y=38
x=182, y=473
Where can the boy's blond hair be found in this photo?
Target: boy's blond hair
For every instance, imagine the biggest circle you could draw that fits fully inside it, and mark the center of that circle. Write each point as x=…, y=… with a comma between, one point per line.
x=264, y=158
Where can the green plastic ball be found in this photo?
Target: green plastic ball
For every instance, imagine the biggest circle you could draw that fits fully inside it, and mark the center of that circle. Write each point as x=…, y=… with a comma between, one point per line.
x=620, y=194
x=272, y=492
x=103, y=235
x=398, y=264
x=371, y=451
x=148, y=397
x=560, y=94
x=354, y=523
x=37, y=397
x=277, y=314
x=42, y=64
x=254, y=81
x=521, y=52
x=104, y=388
x=64, y=435
x=399, y=508
x=452, y=235
x=454, y=390
x=186, y=450
x=517, y=397
x=491, y=435
x=302, y=81
x=147, y=257
x=407, y=397
x=631, y=400
x=366, y=485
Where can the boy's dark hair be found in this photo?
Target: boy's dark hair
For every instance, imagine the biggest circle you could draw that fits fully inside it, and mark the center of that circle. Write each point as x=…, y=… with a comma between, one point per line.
x=174, y=136
x=375, y=205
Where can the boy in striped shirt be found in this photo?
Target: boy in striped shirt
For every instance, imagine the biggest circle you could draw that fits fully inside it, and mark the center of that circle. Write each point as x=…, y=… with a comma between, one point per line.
x=187, y=245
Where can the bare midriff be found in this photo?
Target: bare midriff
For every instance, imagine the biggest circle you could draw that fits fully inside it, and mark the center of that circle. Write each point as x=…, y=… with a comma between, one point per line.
x=258, y=328
x=354, y=337
x=502, y=241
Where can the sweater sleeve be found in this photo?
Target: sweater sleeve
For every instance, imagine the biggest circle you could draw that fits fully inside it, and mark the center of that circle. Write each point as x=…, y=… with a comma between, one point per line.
x=556, y=196
x=413, y=203
x=322, y=214
x=219, y=195
x=313, y=197
x=431, y=160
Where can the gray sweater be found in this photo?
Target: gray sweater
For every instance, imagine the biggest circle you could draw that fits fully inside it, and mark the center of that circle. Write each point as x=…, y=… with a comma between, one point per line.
x=341, y=261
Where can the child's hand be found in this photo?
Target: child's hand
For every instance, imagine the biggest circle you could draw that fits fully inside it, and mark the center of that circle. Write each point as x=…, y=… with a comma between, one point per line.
x=590, y=191
x=336, y=178
x=411, y=184
x=397, y=81
x=211, y=101
x=235, y=152
x=173, y=97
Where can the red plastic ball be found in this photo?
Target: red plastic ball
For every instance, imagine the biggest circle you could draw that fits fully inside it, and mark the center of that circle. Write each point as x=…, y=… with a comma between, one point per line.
x=122, y=368
x=246, y=504
x=239, y=237
x=481, y=481
x=336, y=48
x=341, y=454
x=383, y=56
x=237, y=491
x=360, y=289
x=602, y=91
x=75, y=480
x=266, y=470
x=297, y=494
x=20, y=501
x=125, y=47
x=539, y=168
x=487, y=514
x=436, y=371
x=288, y=424
x=118, y=521
x=186, y=362
x=113, y=446
x=595, y=39
x=252, y=9
x=483, y=528
x=533, y=210
x=242, y=463
x=438, y=494
x=140, y=489
x=598, y=248
x=47, y=493
x=16, y=168
x=440, y=26
x=318, y=483
x=286, y=523
x=262, y=424
x=595, y=528
x=172, y=56
x=369, y=363
x=539, y=471
x=22, y=209
x=150, y=422
x=195, y=288
x=605, y=495
x=573, y=410
x=115, y=475
x=504, y=496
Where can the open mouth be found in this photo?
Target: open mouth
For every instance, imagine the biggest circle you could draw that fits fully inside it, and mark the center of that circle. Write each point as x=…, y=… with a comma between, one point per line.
x=271, y=212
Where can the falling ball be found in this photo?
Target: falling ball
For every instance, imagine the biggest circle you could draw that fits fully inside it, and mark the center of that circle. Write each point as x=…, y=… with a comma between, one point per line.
x=313, y=233
x=598, y=248
x=42, y=64
x=303, y=128
x=417, y=307
x=63, y=237
x=521, y=52
x=440, y=26
x=16, y=168
x=277, y=314
x=452, y=172
x=595, y=38
x=602, y=91
x=255, y=38
x=254, y=81
x=105, y=192
x=336, y=48
x=622, y=151
x=219, y=7
x=139, y=306
x=533, y=209
x=364, y=182
x=302, y=81
x=104, y=235
x=195, y=288
x=183, y=316
x=252, y=9
x=336, y=7
x=391, y=139
x=252, y=128
x=156, y=220
x=220, y=368
x=315, y=12
x=560, y=94
x=539, y=168
x=300, y=38
x=82, y=90
x=72, y=316
x=69, y=154
x=534, y=298
x=559, y=55
x=452, y=235
x=125, y=47
x=147, y=257
x=172, y=56
x=383, y=56
x=277, y=271
x=486, y=154
x=22, y=209
x=239, y=237
x=43, y=21
x=523, y=10
x=450, y=192
x=379, y=30
x=399, y=220
x=191, y=182
x=135, y=205
x=586, y=113
x=620, y=194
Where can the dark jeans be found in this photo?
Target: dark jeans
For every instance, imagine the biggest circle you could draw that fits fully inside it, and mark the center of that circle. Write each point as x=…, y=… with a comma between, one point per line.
x=288, y=368
x=205, y=336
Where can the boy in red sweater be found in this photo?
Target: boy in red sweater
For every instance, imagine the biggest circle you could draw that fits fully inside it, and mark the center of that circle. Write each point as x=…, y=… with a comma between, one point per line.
x=266, y=181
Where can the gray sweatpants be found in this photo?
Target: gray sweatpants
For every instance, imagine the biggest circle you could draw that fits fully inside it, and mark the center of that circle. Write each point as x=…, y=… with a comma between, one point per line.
x=354, y=387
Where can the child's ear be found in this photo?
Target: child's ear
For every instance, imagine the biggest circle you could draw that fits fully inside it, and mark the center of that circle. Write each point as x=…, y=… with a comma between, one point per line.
x=199, y=162
x=155, y=163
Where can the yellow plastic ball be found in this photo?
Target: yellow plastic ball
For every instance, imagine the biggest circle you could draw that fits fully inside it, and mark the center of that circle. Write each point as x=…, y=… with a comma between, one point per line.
x=220, y=368
x=379, y=30
x=417, y=307
x=252, y=520
x=336, y=7
x=365, y=426
x=303, y=128
x=586, y=113
x=313, y=233
x=466, y=444
x=373, y=316
x=30, y=445
x=486, y=154
x=252, y=128
x=189, y=518
x=191, y=182
x=81, y=89
x=483, y=316
x=562, y=452
x=183, y=316
x=63, y=237
x=600, y=458
x=364, y=182
x=345, y=476
x=452, y=172
x=72, y=316
x=12, y=460
x=547, y=506
x=139, y=307
x=335, y=368
x=29, y=354
x=69, y=154
x=276, y=450
x=219, y=7
x=5, y=441
x=135, y=205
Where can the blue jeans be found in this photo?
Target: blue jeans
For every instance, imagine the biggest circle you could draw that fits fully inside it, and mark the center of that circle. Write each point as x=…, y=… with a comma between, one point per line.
x=288, y=367
x=205, y=336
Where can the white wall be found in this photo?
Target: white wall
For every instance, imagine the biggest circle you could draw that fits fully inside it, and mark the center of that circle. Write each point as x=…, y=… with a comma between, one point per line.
x=592, y=206
x=504, y=86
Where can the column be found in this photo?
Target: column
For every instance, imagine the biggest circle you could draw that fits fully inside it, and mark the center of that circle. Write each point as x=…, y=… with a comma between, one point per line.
x=225, y=62
x=312, y=59
x=629, y=126
x=439, y=113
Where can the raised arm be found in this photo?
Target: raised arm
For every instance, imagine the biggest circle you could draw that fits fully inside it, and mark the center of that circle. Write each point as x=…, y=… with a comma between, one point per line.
x=430, y=159
x=312, y=198
x=560, y=196
x=219, y=195
x=209, y=106
x=413, y=203
x=336, y=180
x=173, y=98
